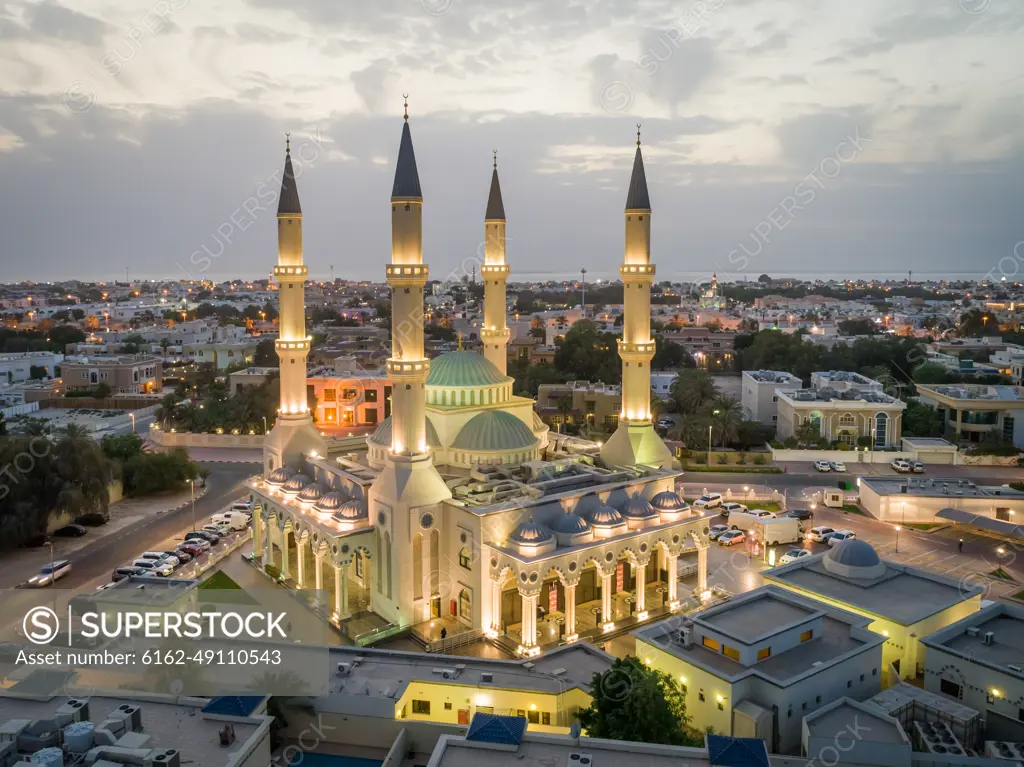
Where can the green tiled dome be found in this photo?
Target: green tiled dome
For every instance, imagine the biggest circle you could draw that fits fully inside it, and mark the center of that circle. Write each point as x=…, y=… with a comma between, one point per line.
x=494, y=430
x=382, y=434
x=464, y=369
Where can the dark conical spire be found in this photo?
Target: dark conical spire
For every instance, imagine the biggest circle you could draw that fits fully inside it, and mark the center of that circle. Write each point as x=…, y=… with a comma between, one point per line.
x=638, y=199
x=407, y=178
x=288, y=201
x=495, y=207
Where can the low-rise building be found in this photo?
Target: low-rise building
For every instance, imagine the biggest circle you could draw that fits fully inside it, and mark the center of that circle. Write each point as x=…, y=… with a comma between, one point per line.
x=760, y=398
x=925, y=500
x=867, y=736
x=903, y=603
x=15, y=368
x=977, y=412
x=579, y=402
x=710, y=348
x=349, y=400
x=124, y=373
x=846, y=407
x=979, y=661
x=251, y=376
x=755, y=665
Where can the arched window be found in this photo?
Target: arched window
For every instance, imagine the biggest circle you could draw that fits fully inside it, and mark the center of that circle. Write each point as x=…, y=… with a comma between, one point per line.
x=464, y=559
x=847, y=419
x=881, y=429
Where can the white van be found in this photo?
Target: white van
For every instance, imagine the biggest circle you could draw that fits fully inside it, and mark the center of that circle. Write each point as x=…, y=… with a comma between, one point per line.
x=775, y=530
x=744, y=520
x=236, y=520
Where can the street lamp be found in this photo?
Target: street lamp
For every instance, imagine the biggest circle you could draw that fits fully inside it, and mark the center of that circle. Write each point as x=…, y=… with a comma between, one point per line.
x=133, y=422
x=710, y=426
x=192, y=483
x=264, y=425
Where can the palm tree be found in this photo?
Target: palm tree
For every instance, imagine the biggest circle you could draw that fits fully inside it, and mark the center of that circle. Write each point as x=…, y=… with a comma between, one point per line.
x=688, y=429
x=692, y=389
x=726, y=419
x=564, y=405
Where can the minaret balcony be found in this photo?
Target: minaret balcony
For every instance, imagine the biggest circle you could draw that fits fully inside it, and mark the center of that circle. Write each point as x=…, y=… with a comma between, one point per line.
x=413, y=369
x=292, y=346
x=494, y=270
x=495, y=334
x=398, y=274
x=291, y=273
x=636, y=350
x=627, y=271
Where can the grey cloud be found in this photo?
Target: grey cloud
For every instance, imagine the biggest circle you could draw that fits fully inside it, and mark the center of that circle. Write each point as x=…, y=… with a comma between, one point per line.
x=807, y=140
x=775, y=42
x=369, y=83
x=50, y=19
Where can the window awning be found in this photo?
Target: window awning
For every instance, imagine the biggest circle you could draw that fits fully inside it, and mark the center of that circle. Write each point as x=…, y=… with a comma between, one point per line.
x=1008, y=529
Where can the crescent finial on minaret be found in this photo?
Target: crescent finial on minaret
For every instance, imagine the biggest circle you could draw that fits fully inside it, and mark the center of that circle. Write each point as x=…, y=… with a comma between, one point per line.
x=638, y=134
x=406, y=97
x=287, y=143
x=495, y=159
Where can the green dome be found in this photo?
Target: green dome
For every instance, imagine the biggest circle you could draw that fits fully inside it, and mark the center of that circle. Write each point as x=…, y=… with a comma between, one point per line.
x=382, y=434
x=464, y=369
x=494, y=430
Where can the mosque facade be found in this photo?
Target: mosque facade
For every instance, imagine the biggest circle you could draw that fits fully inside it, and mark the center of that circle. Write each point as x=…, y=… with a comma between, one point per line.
x=462, y=505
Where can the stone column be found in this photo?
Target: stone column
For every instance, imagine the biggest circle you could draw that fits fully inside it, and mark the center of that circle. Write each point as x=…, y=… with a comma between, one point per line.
x=570, y=611
x=673, y=578
x=257, y=532
x=529, y=631
x=300, y=550
x=641, y=589
x=268, y=543
x=286, y=569
x=702, y=569
x=338, y=586
x=318, y=572
x=495, y=604
x=606, y=598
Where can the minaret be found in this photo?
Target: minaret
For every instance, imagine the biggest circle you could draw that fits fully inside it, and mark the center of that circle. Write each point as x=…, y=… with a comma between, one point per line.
x=294, y=433
x=495, y=333
x=635, y=441
x=409, y=484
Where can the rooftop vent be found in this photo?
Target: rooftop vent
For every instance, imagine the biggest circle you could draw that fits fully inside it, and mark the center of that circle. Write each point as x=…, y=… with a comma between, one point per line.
x=580, y=760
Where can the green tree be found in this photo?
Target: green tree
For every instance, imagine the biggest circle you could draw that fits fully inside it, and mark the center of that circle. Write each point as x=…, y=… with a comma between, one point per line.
x=121, y=447
x=669, y=355
x=585, y=353
x=932, y=373
x=640, y=704
x=692, y=389
x=809, y=431
x=564, y=406
x=726, y=417
x=861, y=326
x=102, y=390
x=265, y=355
x=920, y=420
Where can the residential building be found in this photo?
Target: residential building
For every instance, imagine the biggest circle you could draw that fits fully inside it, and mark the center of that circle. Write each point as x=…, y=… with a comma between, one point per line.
x=903, y=603
x=759, y=397
x=979, y=661
x=349, y=400
x=594, y=404
x=531, y=349
x=250, y=376
x=846, y=407
x=927, y=500
x=221, y=354
x=710, y=348
x=977, y=412
x=124, y=374
x=17, y=367
x=755, y=665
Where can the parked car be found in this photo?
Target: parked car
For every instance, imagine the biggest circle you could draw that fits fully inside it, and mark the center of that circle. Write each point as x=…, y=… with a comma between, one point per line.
x=793, y=555
x=233, y=520
x=820, y=533
x=666, y=423
x=802, y=514
x=837, y=465
x=120, y=573
x=716, y=531
x=708, y=501
x=154, y=566
x=730, y=507
x=70, y=531
x=195, y=547
x=917, y=467
x=823, y=466
x=182, y=556
x=732, y=537
x=211, y=538
x=243, y=506
x=50, y=573
x=839, y=536
x=161, y=556
x=219, y=530
x=764, y=514
x=901, y=465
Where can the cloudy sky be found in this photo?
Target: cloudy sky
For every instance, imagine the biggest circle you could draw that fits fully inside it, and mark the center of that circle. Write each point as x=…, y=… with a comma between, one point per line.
x=780, y=136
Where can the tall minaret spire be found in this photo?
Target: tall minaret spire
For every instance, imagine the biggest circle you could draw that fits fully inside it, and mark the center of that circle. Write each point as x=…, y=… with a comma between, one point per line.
x=495, y=333
x=635, y=441
x=294, y=433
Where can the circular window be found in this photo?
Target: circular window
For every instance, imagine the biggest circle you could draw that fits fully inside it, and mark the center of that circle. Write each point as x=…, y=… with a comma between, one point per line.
x=643, y=547
x=463, y=537
x=572, y=567
x=494, y=561
x=534, y=577
x=344, y=549
x=675, y=539
x=427, y=520
x=706, y=530
x=523, y=577
x=609, y=557
x=382, y=518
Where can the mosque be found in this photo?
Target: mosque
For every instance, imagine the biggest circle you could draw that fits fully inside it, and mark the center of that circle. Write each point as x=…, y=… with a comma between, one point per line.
x=462, y=506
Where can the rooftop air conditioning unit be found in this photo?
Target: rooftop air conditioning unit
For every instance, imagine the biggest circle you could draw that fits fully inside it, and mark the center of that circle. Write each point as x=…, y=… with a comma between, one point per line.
x=163, y=757
x=129, y=714
x=344, y=669
x=989, y=637
x=446, y=673
x=75, y=710
x=973, y=631
x=486, y=678
x=580, y=760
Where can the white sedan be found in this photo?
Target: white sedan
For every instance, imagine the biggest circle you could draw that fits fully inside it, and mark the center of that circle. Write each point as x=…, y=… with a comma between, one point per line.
x=716, y=531
x=793, y=555
x=841, y=535
x=837, y=465
x=823, y=466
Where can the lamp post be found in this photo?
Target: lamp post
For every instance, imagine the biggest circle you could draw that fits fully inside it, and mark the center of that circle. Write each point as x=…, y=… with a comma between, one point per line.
x=192, y=483
x=710, y=426
x=897, y=539
x=264, y=425
x=133, y=422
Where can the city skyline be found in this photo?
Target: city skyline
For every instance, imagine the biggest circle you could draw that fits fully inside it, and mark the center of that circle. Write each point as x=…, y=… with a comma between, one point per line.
x=906, y=119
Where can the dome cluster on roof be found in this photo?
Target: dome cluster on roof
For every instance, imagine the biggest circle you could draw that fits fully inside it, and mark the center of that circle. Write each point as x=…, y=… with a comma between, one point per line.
x=531, y=533
x=493, y=431
x=296, y=483
x=464, y=369
x=280, y=476
x=331, y=501
x=605, y=516
x=668, y=501
x=311, y=492
x=570, y=524
x=351, y=511
x=637, y=507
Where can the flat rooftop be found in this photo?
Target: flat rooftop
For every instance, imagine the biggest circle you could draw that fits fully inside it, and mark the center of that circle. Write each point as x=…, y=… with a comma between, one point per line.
x=535, y=749
x=979, y=392
x=754, y=618
x=181, y=725
x=904, y=595
x=1005, y=621
x=772, y=376
x=835, y=718
x=937, y=487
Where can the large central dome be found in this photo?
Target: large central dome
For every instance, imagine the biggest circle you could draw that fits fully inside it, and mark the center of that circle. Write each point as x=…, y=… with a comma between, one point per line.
x=494, y=430
x=464, y=369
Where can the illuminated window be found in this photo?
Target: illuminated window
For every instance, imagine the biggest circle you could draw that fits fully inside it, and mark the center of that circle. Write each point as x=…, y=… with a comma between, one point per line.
x=421, y=707
x=330, y=395
x=764, y=652
x=730, y=652
x=464, y=559
x=807, y=636
x=710, y=643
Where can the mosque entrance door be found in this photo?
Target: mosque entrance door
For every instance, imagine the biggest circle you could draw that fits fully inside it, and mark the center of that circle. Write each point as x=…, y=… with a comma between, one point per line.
x=435, y=607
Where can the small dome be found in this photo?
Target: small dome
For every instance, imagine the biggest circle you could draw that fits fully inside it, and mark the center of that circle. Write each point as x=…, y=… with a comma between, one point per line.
x=280, y=476
x=311, y=492
x=637, y=507
x=668, y=501
x=570, y=524
x=494, y=430
x=331, y=501
x=296, y=483
x=382, y=434
x=606, y=516
x=854, y=559
x=352, y=511
x=464, y=369
x=530, y=533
